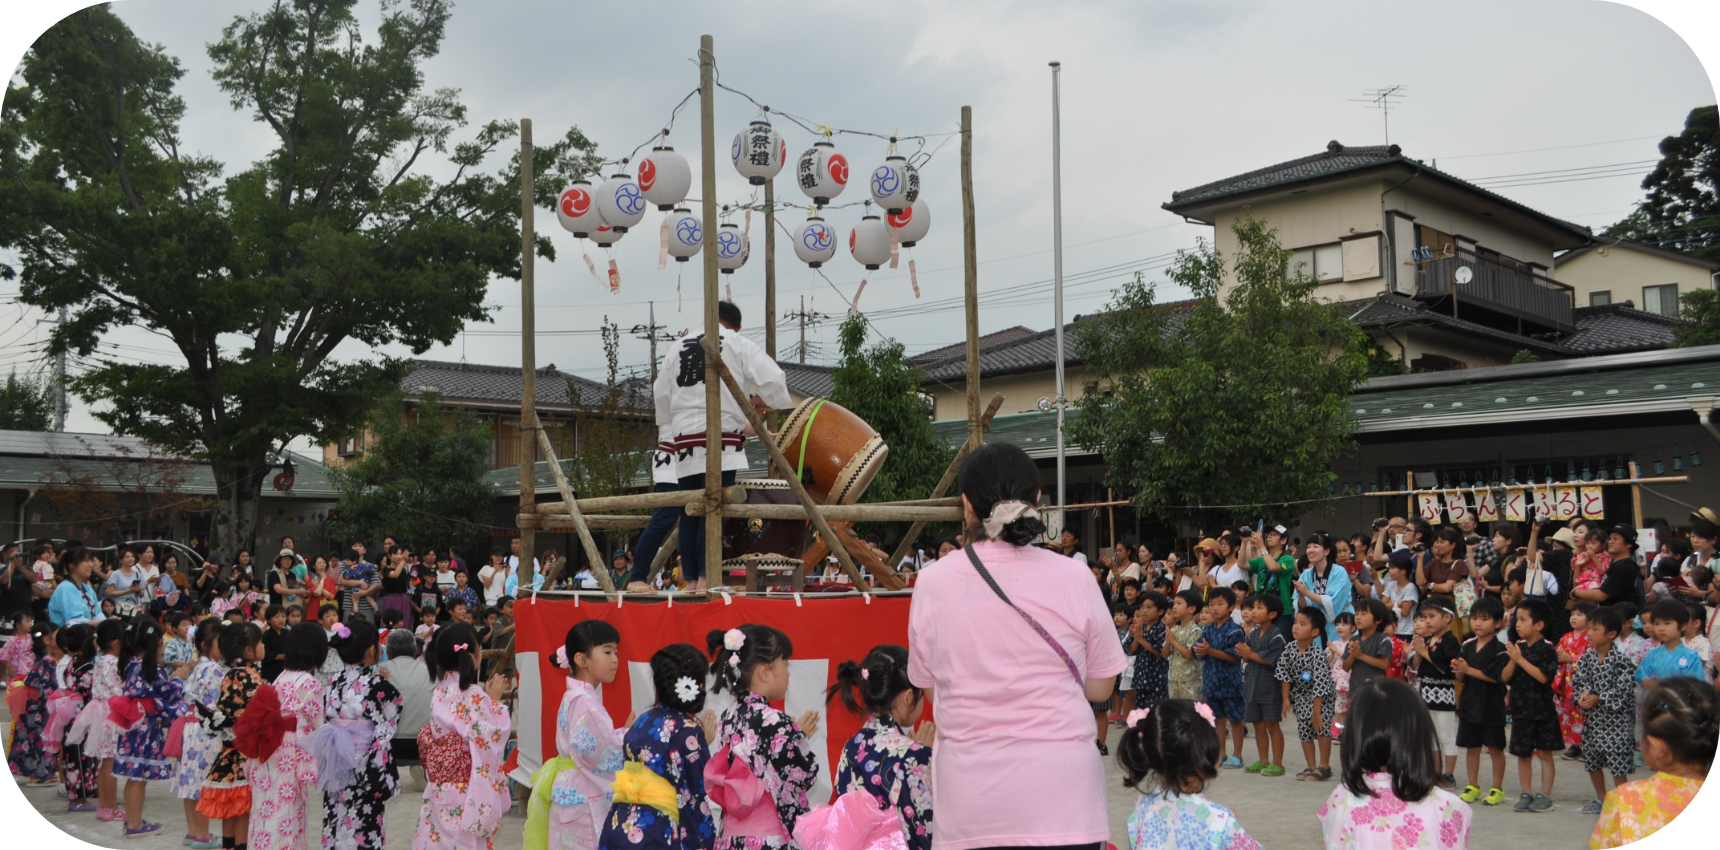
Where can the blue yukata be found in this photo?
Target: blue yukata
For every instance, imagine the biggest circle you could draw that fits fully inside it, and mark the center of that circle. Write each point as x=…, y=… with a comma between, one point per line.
x=1663, y=663
x=1221, y=681
x=140, y=748
x=896, y=770
x=670, y=744
x=1152, y=673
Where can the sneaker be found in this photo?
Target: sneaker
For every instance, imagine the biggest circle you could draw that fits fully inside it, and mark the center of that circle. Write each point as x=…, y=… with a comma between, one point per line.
x=1103, y=750
x=1541, y=804
x=1272, y=770
x=206, y=843
x=1255, y=767
x=144, y=828
x=1231, y=763
x=85, y=806
x=62, y=793
x=1470, y=794
x=1523, y=803
x=1573, y=754
x=1446, y=780
x=112, y=814
x=1636, y=758
x=1592, y=807
x=1494, y=797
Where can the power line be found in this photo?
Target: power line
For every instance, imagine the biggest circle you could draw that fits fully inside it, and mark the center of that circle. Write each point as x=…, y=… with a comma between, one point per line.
x=1554, y=148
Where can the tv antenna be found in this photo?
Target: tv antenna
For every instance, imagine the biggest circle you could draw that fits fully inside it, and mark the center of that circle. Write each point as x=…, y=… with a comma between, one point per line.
x=1384, y=99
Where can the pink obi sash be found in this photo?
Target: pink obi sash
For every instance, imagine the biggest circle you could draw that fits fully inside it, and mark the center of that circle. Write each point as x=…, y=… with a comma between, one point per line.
x=63, y=707
x=126, y=711
x=856, y=821
x=748, y=807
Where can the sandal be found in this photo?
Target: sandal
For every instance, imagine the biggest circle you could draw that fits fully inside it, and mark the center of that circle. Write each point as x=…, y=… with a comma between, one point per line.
x=1307, y=775
x=1322, y=774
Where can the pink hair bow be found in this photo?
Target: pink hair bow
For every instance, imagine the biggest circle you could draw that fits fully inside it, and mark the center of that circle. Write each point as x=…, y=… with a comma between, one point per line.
x=1205, y=711
x=1138, y=715
x=561, y=657
x=748, y=808
x=854, y=822
x=462, y=647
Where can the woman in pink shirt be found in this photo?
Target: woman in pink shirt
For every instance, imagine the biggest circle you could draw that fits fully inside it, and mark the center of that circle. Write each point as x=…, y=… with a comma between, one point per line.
x=1013, y=676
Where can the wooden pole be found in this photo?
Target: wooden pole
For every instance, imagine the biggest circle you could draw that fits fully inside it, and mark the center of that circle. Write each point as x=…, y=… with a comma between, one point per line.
x=549, y=521
x=1112, y=510
x=844, y=513
x=713, y=397
x=949, y=477
x=970, y=281
x=599, y=567
x=813, y=510
x=770, y=267
x=642, y=501
x=1636, y=496
x=528, y=358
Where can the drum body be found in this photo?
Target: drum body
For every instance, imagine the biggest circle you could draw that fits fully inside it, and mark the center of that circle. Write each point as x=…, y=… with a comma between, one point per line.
x=772, y=545
x=837, y=452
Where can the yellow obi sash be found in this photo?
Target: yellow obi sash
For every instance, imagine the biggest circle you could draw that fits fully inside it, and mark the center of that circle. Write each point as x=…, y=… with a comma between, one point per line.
x=639, y=785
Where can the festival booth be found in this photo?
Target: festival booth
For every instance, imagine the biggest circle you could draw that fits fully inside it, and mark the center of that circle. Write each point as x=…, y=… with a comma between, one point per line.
x=826, y=629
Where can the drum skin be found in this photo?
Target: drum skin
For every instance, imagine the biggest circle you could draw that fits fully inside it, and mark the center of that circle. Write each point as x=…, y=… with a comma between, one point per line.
x=842, y=453
x=771, y=542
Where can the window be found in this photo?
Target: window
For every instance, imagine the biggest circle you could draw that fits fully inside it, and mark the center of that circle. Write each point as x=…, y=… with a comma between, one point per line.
x=1600, y=299
x=1661, y=299
x=1325, y=263
x=350, y=447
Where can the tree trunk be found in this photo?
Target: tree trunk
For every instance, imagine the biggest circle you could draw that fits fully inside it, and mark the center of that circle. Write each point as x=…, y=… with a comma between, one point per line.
x=238, y=492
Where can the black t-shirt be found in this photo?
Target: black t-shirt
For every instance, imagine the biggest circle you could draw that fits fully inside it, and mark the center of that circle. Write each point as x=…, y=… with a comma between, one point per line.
x=1434, y=678
x=1484, y=702
x=399, y=584
x=15, y=597
x=274, y=643
x=1622, y=583
x=1532, y=700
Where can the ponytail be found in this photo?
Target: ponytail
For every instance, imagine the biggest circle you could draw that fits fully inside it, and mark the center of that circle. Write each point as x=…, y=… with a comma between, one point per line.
x=879, y=679
x=453, y=653
x=738, y=652
x=143, y=642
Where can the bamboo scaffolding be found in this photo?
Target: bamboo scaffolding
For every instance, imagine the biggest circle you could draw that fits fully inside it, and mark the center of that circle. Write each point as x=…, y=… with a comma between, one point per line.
x=975, y=438
x=644, y=501
x=599, y=567
x=551, y=522
x=846, y=513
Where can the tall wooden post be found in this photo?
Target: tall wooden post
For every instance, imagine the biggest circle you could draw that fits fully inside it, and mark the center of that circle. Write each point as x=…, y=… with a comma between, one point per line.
x=970, y=281
x=713, y=397
x=1635, y=498
x=528, y=363
x=770, y=267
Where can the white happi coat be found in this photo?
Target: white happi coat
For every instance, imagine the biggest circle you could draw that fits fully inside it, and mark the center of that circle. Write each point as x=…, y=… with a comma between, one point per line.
x=680, y=398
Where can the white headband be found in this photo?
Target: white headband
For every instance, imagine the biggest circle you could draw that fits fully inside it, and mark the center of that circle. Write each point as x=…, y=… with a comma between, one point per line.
x=1006, y=512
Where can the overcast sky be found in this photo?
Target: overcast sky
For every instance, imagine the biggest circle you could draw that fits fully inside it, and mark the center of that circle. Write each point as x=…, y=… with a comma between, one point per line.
x=1157, y=97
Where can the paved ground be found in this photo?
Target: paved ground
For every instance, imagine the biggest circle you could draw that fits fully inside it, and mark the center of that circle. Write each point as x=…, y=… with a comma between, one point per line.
x=1278, y=811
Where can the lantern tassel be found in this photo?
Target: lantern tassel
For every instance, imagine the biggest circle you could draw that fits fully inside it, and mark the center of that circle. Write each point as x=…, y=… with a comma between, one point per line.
x=663, y=244
x=854, y=306
x=913, y=276
x=729, y=292
x=895, y=245
x=592, y=267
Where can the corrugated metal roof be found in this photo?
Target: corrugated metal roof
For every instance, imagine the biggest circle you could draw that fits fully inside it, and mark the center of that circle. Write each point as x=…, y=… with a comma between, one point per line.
x=311, y=481
x=1542, y=397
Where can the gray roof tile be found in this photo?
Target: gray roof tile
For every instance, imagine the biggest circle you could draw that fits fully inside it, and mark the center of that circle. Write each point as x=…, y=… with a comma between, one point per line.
x=473, y=382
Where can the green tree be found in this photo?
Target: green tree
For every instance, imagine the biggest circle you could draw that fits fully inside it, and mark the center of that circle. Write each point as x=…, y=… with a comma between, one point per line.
x=422, y=477
x=335, y=234
x=1682, y=210
x=1524, y=355
x=614, y=439
x=1381, y=363
x=1700, y=311
x=880, y=386
x=26, y=405
x=1244, y=401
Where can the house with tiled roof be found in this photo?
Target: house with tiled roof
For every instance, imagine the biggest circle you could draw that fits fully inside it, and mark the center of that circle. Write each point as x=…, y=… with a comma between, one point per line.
x=1612, y=270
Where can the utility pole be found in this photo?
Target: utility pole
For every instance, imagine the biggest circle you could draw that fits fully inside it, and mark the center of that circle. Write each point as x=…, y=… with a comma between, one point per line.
x=60, y=401
x=652, y=333
x=804, y=317
x=1057, y=276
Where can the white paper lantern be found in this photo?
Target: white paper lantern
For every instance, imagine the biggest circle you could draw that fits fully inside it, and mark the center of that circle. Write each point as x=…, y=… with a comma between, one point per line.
x=664, y=177
x=732, y=248
x=758, y=152
x=620, y=202
x=895, y=185
x=869, y=242
x=911, y=225
x=606, y=236
x=686, y=235
x=822, y=173
x=576, y=209
x=815, y=242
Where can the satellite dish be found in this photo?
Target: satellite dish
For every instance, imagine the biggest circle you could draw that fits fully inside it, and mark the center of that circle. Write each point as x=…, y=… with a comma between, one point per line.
x=1463, y=274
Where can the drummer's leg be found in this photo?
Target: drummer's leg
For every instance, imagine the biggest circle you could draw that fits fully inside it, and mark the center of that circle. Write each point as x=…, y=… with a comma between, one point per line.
x=692, y=540
x=662, y=519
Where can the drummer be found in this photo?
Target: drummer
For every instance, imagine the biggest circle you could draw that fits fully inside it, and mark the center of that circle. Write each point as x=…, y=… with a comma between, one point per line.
x=680, y=399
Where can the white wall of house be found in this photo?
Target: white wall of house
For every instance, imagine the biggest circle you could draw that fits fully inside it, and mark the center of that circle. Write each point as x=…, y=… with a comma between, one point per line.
x=1613, y=275
x=1021, y=393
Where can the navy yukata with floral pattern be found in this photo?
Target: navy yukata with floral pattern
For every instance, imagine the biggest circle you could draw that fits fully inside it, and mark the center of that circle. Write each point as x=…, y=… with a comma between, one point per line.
x=140, y=748
x=353, y=817
x=896, y=770
x=778, y=753
x=1152, y=672
x=29, y=758
x=670, y=744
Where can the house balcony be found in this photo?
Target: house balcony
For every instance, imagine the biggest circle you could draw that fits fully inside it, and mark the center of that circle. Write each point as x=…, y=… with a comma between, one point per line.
x=1496, y=293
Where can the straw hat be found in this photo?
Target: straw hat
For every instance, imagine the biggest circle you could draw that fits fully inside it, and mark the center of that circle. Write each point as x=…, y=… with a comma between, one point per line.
x=1207, y=543
x=1705, y=513
x=1565, y=536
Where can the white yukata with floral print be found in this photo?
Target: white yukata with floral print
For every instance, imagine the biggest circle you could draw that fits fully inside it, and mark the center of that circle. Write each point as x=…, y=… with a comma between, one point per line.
x=199, y=747
x=580, y=797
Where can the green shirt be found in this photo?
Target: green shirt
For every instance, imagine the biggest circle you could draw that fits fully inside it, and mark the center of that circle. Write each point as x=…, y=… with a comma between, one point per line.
x=1285, y=581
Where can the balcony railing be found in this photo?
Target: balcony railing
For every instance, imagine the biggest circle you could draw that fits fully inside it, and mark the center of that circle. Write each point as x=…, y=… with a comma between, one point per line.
x=1500, y=287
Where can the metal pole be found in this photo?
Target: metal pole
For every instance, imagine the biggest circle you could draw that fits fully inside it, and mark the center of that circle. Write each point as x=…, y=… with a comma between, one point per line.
x=1057, y=277
x=803, y=330
x=60, y=404
x=770, y=268
x=653, y=330
x=970, y=281
x=528, y=361
x=713, y=400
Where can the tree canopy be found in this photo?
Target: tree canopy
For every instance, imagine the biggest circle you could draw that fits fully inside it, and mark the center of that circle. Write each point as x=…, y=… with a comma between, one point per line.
x=257, y=277
x=1230, y=406
x=26, y=405
x=1682, y=210
x=422, y=477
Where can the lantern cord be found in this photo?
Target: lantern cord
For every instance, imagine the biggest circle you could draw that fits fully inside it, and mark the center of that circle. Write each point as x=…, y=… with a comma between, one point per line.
x=660, y=134
x=851, y=304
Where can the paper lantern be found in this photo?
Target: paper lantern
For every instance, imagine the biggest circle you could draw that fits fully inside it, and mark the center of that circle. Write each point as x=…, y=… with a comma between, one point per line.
x=686, y=234
x=822, y=173
x=732, y=248
x=895, y=185
x=664, y=177
x=911, y=225
x=576, y=209
x=606, y=236
x=869, y=242
x=815, y=242
x=758, y=152
x=620, y=202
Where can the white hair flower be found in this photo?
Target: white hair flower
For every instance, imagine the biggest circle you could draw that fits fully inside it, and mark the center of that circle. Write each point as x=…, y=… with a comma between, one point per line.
x=686, y=689
x=734, y=639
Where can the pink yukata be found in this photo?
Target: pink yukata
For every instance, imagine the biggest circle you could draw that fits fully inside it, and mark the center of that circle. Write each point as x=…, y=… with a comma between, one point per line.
x=580, y=798
x=1439, y=821
x=282, y=786
x=466, y=792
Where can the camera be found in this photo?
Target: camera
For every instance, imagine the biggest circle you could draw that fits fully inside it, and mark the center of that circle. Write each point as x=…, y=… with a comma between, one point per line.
x=1380, y=523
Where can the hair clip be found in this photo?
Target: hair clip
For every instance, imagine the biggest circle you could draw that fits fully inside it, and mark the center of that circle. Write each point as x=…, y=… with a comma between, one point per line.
x=865, y=673
x=341, y=631
x=561, y=658
x=734, y=639
x=735, y=661
x=1205, y=711
x=686, y=689
x=1138, y=715
x=462, y=647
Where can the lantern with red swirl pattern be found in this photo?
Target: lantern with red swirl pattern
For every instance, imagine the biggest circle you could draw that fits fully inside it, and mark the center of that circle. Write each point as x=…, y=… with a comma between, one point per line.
x=869, y=242
x=576, y=209
x=606, y=236
x=758, y=152
x=732, y=248
x=822, y=172
x=895, y=185
x=665, y=177
x=620, y=203
x=815, y=242
x=912, y=223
